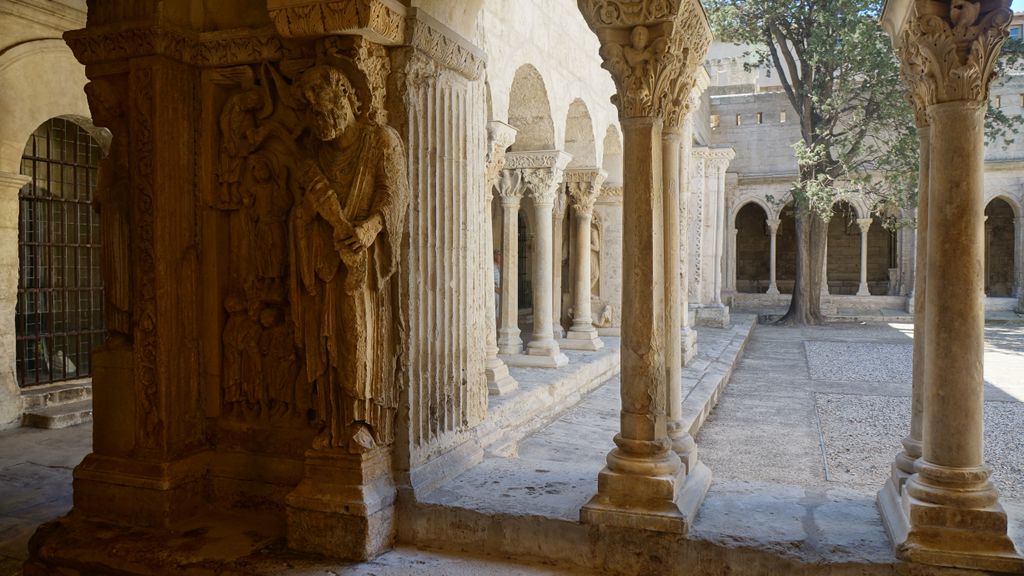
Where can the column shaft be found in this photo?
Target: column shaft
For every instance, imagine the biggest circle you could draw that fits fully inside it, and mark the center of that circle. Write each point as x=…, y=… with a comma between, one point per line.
x=912, y=443
x=773, y=286
x=508, y=335
x=865, y=227
x=543, y=341
x=719, y=235
x=582, y=315
x=558, y=230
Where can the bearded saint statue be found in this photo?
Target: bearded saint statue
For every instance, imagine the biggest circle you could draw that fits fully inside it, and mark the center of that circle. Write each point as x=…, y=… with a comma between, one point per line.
x=346, y=232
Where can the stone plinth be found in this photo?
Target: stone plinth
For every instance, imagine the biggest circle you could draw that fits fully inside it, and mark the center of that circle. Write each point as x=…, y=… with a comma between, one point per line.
x=714, y=316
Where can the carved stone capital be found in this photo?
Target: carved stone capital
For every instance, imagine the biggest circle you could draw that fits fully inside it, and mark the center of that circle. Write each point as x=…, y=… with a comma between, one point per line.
x=500, y=136
x=773, y=225
x=948, y=51
x=718, y=158
x=652, y=49
x=584, y=186
x=382, y=21
x=542, y=172
x=510, y=187
x=865, y=224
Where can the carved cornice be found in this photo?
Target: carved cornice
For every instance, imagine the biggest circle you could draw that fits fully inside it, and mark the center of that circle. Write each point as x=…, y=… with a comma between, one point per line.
x=584, y=187
x=227, y=48
x=542, y=172
x=443, y=45
x=611, y=193
x=716, y=158
x=652, y=49
x=948, y=52
x=382, y=21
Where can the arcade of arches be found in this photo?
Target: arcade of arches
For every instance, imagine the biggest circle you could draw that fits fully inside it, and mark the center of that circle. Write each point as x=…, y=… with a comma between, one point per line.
x=319, y=258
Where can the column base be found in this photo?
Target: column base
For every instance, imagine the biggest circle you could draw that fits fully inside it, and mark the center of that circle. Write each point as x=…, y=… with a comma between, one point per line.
x=509, y=341
x=890, y=506
x=587, y=340
x=499, y=381
x=139, y=493
x=689, y=344
x=773, y=291
x=713, y=316
x=535, y=361
x=863, y=291
x=344, y=507
x=955, y=533
x=632, y=501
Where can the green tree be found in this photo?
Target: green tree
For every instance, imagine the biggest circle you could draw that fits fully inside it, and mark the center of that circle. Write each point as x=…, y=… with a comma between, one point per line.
x=840, y=74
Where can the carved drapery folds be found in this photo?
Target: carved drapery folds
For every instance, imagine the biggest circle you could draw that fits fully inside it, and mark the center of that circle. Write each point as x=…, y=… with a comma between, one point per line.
x=652, y=49
x=316, y=190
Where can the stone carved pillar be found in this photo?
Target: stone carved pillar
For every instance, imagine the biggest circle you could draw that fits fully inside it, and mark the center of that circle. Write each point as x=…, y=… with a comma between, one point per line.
x=686, y=165
x=558, y=255
x=146, y=462
x=499, y=381
x=865, y=226
x=730, y=259
x=10, y=393
x=541, y=174
x=510, y=191
x=652, y=54
x=952, y=514
x=1018, y=260
x=773, y=227
x=584, y=187
x=714, y=312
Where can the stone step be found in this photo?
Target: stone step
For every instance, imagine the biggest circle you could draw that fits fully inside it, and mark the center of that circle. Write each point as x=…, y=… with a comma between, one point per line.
x=59, y=416
x=56, y=394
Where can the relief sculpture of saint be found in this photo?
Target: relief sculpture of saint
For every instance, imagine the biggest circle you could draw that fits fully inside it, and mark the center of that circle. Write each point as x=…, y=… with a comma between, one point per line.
x=346, y=235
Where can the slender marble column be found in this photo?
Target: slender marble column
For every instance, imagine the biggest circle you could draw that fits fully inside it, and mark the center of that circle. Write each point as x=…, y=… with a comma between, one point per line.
x=558, y=232
x=730, y=260
x=773, y=286
x=584, y=188
x=541, y=173
x=865, y=226
x=510, y=190
x=720, y=226
x=499, y=381
x=824, y=271
x=1018, y=259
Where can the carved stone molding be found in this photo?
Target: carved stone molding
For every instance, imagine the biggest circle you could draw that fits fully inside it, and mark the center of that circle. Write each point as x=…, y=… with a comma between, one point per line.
x=382, y=21
x=500, y=136
x=207, y=49
x=443, y=45
x=949, y=54
x=584, y=187
x=652, y=49
x=717, y=158
x=611, y=193
x=542, y=172
x=510, y=187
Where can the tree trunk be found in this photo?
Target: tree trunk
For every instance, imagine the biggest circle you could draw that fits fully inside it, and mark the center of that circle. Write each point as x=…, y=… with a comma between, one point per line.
x=805, y=306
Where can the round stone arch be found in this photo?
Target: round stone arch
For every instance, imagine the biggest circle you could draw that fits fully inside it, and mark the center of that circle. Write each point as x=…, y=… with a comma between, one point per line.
x=611, y=158
x=529, y=111
x=1002, y=247
x=753, y=246
x=742, y=203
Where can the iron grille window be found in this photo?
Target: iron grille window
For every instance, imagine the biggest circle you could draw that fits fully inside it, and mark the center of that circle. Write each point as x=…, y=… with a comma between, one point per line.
x=59, y=318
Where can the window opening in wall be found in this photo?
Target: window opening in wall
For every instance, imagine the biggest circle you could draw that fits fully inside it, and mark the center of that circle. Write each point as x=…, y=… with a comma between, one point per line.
x=59, y=315
x=739, y=119
x=715, y=120
x=782, y=117
x=760, y=118
x=999, y=102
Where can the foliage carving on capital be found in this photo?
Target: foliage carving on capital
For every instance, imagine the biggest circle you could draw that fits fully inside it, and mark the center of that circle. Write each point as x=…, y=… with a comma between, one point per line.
x=584, y=187
x=951, y=56
x=500, y=137
x=382, y=21
x=543, y=183
x=510, y=187
x=652, y=49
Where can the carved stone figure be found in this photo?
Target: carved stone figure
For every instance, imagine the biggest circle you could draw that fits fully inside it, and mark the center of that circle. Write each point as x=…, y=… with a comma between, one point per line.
x=240, y=133
x=112, y=200
x=268, y=206
x=242, y=374
x=277, y=347
x=347, y=231
x=595, y=255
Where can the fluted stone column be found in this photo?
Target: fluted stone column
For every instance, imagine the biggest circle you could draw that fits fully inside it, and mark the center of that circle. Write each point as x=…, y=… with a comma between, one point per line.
x=558, y=232
x=584, y=188
x=510, y=191
x=644, y=484
x=541, y=174
x=10, y=393
x=773, y=286
x=499, y=381
x=953, y=510
x=865, y=226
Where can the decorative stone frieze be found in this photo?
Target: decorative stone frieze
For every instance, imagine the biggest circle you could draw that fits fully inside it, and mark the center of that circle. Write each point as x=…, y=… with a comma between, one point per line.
x=441, y=45
x=223, y=48
x=381, y=21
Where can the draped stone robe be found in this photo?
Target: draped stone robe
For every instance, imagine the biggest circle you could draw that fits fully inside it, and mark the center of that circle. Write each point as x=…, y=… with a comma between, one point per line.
x=344, y=304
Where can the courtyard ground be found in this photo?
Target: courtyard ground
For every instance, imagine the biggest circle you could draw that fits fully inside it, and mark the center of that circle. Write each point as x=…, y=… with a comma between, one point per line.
x=801, y=440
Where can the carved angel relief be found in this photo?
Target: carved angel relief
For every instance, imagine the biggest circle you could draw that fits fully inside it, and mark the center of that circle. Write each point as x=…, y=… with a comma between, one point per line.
x=315, y=186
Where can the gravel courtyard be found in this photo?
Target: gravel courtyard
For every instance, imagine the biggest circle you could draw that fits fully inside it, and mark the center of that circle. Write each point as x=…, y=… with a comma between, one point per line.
x=826, y=407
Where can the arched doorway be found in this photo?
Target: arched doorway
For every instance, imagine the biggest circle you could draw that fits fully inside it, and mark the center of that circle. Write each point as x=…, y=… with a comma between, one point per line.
x=999, y=249
x=59, y=314
x=753, y=250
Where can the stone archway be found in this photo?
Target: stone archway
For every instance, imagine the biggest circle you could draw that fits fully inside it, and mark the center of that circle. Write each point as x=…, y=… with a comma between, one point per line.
x=753, y=249
x=785, y=257
x=1000, y=239
x=844, y=244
